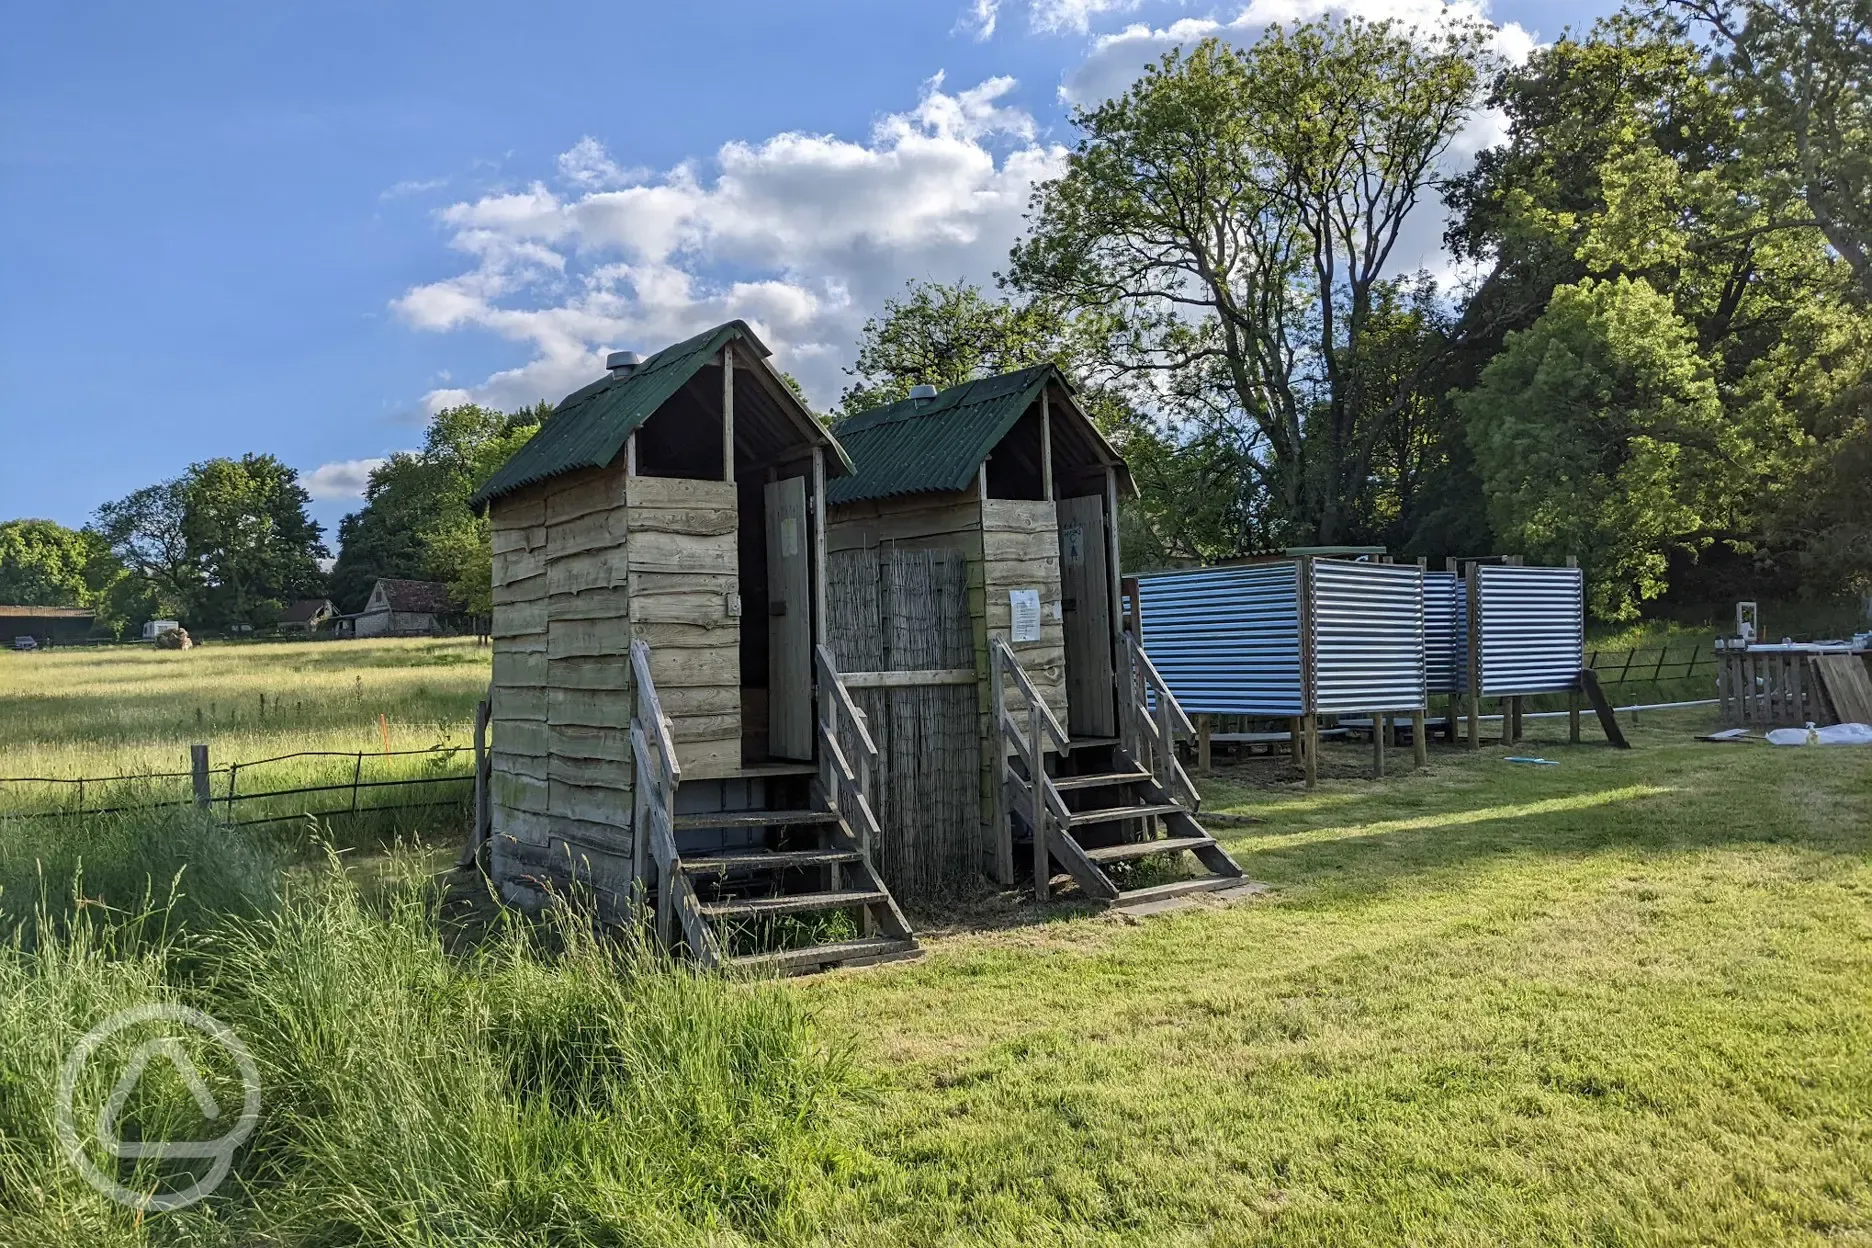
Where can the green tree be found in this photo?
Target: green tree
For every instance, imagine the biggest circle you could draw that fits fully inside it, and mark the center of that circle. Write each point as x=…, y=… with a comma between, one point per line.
x=145, y=530
x=249, y=535
x=45, y=564
x=1599, y=433
x=415, y=521
x=1801, y=71
x=1233, y=220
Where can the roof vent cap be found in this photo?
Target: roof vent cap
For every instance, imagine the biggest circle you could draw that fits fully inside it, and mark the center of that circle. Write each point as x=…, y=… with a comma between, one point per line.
x=922, y=391
x=621, y=362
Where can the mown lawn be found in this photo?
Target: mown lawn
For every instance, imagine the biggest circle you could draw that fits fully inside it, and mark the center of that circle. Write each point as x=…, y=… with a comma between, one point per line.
x=1627, y=999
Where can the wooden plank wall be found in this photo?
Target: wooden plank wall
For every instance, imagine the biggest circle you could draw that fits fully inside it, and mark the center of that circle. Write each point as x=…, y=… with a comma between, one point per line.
x=588, y=685
x=517, y=798
x=684, y=569
x=1020, y=550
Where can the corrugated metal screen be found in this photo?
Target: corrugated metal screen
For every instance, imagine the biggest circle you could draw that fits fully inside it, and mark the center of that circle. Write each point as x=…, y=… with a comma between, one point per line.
x=1227, y=640
x=1446, y=632
x=1533, y=628
x=1368, y=636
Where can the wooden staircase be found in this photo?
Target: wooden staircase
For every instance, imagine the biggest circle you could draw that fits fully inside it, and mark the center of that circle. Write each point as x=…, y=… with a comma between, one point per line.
x=789, y=871
x=1099, y=809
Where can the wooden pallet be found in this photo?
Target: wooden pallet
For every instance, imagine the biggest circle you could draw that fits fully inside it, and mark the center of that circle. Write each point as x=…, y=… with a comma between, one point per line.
x=1848, y=687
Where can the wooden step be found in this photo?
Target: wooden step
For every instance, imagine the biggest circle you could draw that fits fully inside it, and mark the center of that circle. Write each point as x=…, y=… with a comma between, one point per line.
x=1177, y=888
x=749, y=907
x=752, y=818
x=1116, y=813
x=1090, y=743
x=1144, y=849
x=721, y=864
x=870, y=952
x=1067, y=783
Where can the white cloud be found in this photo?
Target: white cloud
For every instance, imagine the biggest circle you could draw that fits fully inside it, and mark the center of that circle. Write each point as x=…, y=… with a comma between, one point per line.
x=1073, y=15
x=803, y=235
x=980, y=19
x=340, y=481
x=1118, y=58
x=413, y=186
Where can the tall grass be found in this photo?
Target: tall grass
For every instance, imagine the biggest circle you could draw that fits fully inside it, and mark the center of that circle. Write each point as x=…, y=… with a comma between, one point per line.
x=545, y=1086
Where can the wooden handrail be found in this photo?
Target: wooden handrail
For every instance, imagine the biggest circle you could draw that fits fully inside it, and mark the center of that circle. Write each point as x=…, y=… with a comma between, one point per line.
x=648, y=701
x=1010, y=663
x=830, y=683
x=1156, y=683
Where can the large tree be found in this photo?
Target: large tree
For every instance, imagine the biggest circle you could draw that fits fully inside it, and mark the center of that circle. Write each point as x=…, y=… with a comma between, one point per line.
x=145, y=530
x=255, y=546
x=415, y=521
x=45, y=564
x=1599, y=434
x=1236, y=215
x=1801, y=71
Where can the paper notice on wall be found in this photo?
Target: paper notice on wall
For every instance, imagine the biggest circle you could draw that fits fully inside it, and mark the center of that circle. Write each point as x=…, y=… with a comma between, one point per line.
x=1024, y=607
x=789, y=537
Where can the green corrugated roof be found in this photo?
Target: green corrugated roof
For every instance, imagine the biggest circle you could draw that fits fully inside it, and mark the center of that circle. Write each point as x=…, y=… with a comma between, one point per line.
x=590, y=426
x=913, y=446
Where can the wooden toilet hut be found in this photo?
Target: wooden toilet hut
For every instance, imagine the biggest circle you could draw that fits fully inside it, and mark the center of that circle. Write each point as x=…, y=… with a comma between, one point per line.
x=974, y=611
x=664, y=712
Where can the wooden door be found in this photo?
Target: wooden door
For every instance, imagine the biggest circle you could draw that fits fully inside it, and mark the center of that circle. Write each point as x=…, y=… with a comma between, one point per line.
x=1085, y=593
x=789, y=621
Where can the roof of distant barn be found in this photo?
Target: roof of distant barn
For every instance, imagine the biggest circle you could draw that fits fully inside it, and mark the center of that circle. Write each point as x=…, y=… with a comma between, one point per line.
x=589, y=427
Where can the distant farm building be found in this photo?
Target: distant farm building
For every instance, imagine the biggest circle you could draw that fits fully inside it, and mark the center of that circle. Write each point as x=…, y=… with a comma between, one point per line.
x=307, y=615
x=45, y=625
x=399, y=608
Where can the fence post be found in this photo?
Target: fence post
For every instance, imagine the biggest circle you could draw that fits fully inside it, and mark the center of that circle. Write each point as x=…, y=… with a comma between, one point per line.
x=198, y=764
x=357, y=774
x=476, y=828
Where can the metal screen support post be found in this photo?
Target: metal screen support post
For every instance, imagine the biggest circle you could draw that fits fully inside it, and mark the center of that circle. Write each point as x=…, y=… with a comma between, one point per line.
x=198, y=767
x=1420, y=738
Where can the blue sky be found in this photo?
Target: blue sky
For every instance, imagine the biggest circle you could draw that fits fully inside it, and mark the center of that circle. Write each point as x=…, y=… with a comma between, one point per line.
x=297, y=228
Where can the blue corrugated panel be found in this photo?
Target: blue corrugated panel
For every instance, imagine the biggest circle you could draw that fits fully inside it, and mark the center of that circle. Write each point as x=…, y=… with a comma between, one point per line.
x=1446, y=632
x=1368, y=636
x=1227, y=640
x=1533, y=628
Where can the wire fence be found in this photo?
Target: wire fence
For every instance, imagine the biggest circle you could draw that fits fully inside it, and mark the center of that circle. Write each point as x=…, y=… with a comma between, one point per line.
x=210, y=787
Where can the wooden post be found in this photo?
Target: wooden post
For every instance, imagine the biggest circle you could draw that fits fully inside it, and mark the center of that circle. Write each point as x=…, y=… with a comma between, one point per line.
x=981, y=481
x=1046, y=447
x=198, y=767
x=1202, y=744
x=1036, y=779
x=1507, y=720
x=1572, y=716
x=1519, y=703
x=1310, y=731
x=822, y=621
x=1420, y=738
x=1475, y=661
x=1003, y=830
x=1296, y=740
x=477, y=832
x=630, y=454
x=1377, y=744
x=727, y=411
x=1117, y=594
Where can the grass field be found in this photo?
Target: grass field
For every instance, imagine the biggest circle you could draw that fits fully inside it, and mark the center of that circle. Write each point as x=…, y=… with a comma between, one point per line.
x=1625, y=999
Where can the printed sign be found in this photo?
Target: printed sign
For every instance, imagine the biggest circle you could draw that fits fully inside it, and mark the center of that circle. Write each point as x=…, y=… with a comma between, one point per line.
x=1024, y=607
